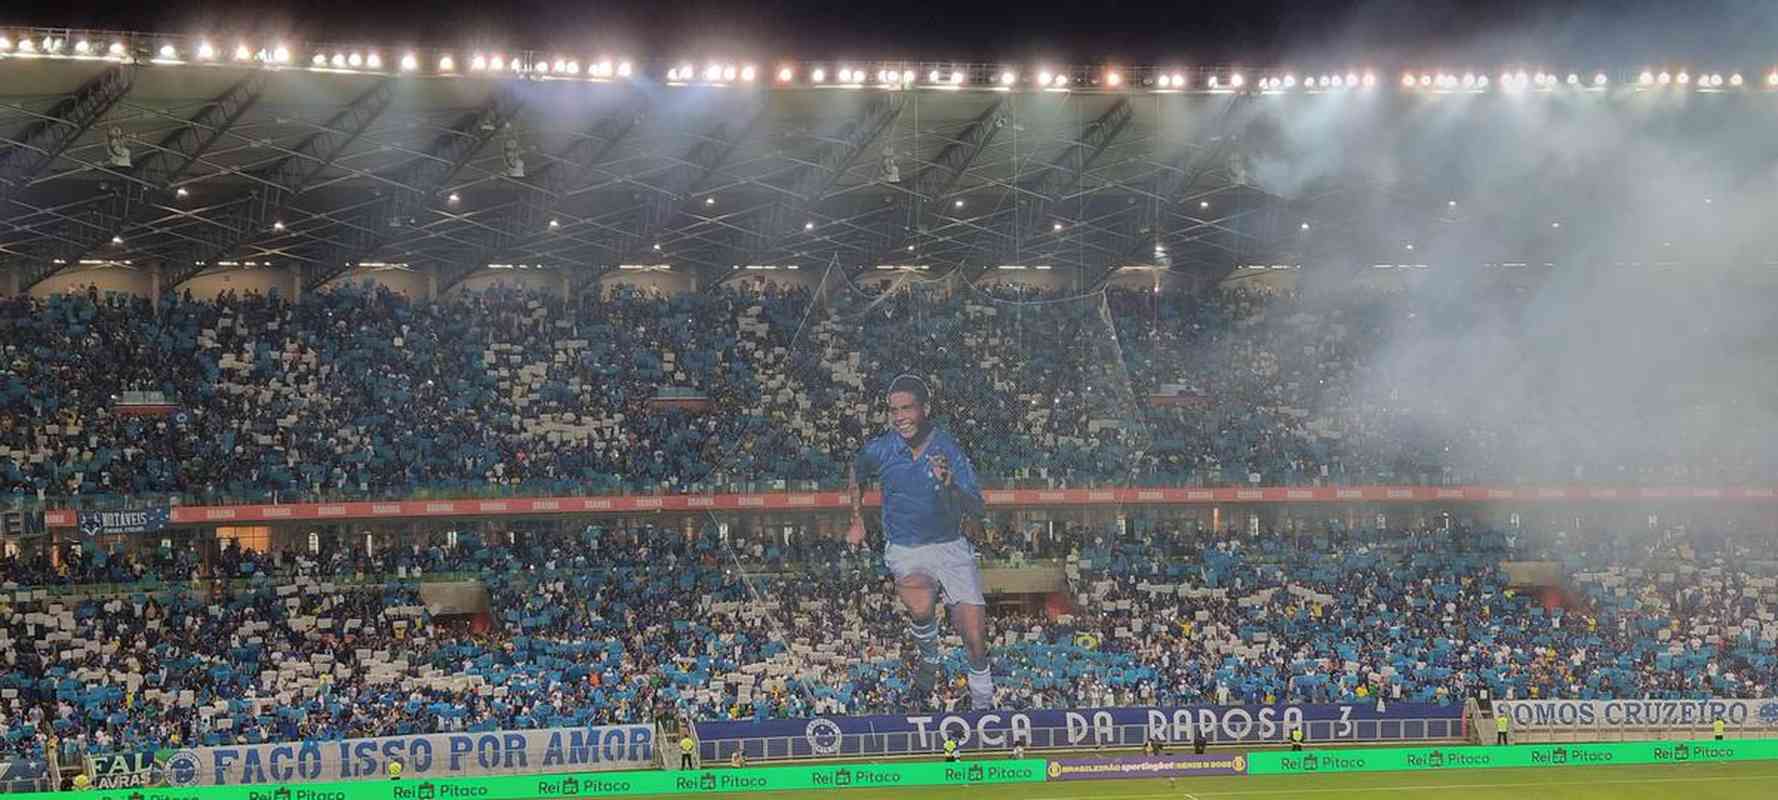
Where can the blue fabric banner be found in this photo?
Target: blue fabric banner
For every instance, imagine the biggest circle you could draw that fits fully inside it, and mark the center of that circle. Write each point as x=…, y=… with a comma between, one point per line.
x=106, y=523
x=1130, y=727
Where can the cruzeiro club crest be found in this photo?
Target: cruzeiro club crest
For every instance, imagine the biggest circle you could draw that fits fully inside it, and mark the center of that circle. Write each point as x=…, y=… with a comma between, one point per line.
x=1768, y=714
x=824, y=737
x=182, y=769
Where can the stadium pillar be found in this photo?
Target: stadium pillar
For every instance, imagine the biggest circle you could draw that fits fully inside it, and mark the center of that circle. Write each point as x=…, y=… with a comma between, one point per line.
x=432, y=283
x=154, y=287
x=296, y=285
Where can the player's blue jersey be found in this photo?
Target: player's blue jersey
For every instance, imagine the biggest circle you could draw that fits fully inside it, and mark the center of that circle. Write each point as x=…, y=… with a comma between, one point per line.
x=915, y=510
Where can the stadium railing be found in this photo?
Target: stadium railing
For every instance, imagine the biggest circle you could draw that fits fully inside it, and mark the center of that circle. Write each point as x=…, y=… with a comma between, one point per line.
x=908, y=744
x=1603, y=732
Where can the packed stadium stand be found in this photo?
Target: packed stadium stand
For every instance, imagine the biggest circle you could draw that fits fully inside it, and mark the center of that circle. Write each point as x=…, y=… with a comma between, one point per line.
x=359, y=392
x=639, y=624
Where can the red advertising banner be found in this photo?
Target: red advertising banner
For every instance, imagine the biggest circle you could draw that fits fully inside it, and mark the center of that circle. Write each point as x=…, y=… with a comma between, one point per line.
x=814, y=501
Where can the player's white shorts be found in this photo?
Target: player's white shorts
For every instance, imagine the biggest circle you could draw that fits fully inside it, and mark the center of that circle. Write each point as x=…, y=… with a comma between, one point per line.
x=951, y=565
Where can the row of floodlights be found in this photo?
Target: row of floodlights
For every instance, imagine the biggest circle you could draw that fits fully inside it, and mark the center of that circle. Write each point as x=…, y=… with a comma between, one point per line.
x=1512, y=81
x=844, y=76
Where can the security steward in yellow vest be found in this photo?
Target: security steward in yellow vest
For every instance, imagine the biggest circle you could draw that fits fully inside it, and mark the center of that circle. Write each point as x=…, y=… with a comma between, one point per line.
x=394, y=770
x=685, y=748
x=1500, y=726
x=951, y=753
x=1718, y=727
x=1296, y=739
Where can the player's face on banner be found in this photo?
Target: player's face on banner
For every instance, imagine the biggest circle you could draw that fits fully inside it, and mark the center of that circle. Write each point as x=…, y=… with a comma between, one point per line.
x=906, y=414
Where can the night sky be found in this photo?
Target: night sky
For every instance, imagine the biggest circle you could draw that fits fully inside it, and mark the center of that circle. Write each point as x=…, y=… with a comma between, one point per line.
x=1428, y=33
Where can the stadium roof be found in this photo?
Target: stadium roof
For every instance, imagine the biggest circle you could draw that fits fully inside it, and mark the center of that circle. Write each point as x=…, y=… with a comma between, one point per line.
x=327, y=158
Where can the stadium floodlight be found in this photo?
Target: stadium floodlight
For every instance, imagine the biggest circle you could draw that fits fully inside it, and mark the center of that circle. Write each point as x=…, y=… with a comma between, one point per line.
x=1352, y=80
x=356, y=60
x=1113, y=79
x=373, y=61
x=243, y=52
x=932, y=77
x=28, y=46
x=808, y=226
x=624, y=69
x=205, y=51
x=117, y=240
x=167, y=51
x=409, y=63
x=1772, y=79
x=278, y=226
x=1290, y=81
x=1684, y=78
x=1043, y=78
x=1236, y=80
x=446, y=64
x=1735, y=79
x=1573, y=79
x=1481, y=81
x=1664, y=78
x=1179, y=81
x=673, y=74
x=1425, y=80
x=83, y=47
x=1599, y=79
x=712, y=72
x=5, y=43
x=281, y=54
x=1008, y=78
x=554, y=224
x=785, y=74
x=319, y=60
x=957, y=77
x=52, y=45
x=454, y=199
x=1646, y=78
x=1469, y=80
x=1407, y=80
x=497, y=63
x=181, y=192
x=819, y=75
x=116, y=49
x=339, y=60
x=1305, y=226
x=1061, y=81
x=573, y=67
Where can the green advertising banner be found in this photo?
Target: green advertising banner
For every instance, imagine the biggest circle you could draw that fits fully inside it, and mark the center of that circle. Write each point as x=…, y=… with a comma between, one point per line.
x=1396, y=759
x=601, y=784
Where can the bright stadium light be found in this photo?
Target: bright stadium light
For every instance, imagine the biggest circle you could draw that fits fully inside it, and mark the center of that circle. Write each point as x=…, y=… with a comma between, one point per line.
x=1043, y=78
x=1664, y=79
x=1008, y=78
x=373, y=61
x=116, y=49
x=819, y=75
x=1113, y=79
x=28, y=46
x=339, y=60
x=1684, y=78
x=1061, y=81
x=281, y=54
x=1599, y=79
x=1237, y=81
x=957, y=77
x=278, y=226
x=624, y=69
x=243, y=53
x=83, y=47
x=167, y=51
x=1573, y=79
x=1352, y=79
x=319, y=60
x=409, y=63
x=356, y=60
x=205, y=51
x=1772, y=79
x=785, y=74
x=712, y=72
x=1407, y=81
x=5, y=43
x=1469, y=80
x=1290, y=81
x=1735, y=79
x=446, y=64
x=497, y=63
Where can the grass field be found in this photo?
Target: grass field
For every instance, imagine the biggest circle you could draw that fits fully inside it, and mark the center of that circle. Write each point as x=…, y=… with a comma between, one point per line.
x=1742, y=781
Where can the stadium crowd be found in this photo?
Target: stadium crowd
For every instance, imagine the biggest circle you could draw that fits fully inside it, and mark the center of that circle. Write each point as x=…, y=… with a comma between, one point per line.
x=638, y=624
x=359, y=392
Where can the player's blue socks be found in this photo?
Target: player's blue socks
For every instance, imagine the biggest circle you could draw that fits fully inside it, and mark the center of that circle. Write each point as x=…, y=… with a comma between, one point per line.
x=981, y=687
x=926, y=639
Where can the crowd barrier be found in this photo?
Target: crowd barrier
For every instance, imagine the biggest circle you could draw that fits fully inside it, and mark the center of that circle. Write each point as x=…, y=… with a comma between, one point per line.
x=1510, y=756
